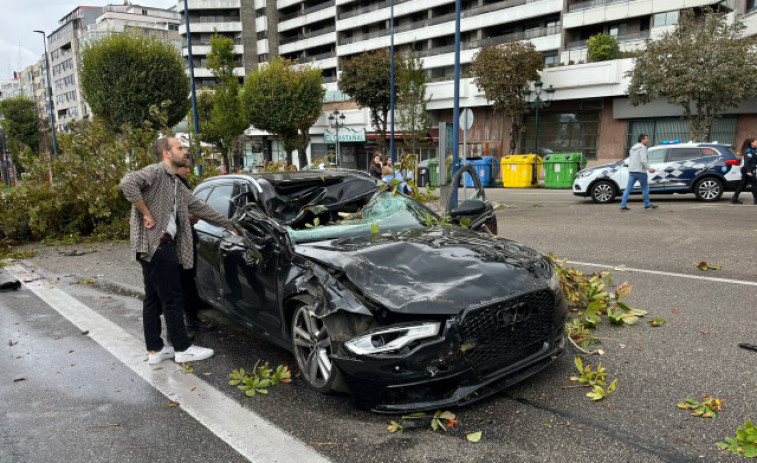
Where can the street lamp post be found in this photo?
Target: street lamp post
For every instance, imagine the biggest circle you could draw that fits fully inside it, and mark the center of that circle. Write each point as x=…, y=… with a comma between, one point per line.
x=50, y=95
x=538, y=104
x=336, y=121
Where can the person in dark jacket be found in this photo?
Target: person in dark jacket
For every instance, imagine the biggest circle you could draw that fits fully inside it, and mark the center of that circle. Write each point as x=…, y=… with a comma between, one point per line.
x=375, y=168
x=192, y=302
x=748, y=170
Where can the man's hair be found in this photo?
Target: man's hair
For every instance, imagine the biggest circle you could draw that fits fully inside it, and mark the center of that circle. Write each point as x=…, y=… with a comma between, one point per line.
x=642, y=136
x=163, y=144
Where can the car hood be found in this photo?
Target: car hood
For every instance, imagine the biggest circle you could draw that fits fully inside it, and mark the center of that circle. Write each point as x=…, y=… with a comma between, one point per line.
x=612, y=167
x=439, y=270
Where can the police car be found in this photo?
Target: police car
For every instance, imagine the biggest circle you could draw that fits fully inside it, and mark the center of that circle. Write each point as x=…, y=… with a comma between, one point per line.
x=705, y=169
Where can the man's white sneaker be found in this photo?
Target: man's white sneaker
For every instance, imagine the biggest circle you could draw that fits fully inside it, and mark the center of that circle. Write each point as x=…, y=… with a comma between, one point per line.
x=165, y=353
x=193, y=354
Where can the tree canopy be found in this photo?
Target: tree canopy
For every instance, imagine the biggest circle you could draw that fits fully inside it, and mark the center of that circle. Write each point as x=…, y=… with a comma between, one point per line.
x=602, y=47
x=123, y=75
x=226, y=121
x=285, y=99
x=414, y=119
x=367, y=79
x=20, y=122
x=502, y=72
x=704, y=65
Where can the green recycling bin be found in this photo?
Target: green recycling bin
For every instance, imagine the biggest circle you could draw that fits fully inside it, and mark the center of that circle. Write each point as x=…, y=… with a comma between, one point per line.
x=560, y=169
x=433, y=172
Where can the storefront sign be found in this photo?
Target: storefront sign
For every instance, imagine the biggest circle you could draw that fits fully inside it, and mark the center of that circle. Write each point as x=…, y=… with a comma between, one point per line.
x=345, y=135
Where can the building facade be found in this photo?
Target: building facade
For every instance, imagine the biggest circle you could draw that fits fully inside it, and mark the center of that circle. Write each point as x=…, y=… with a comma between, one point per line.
x=589, y=113
x=84, y=25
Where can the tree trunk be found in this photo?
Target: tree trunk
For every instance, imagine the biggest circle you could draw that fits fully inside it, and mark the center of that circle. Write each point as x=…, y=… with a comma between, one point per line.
x=302, y=149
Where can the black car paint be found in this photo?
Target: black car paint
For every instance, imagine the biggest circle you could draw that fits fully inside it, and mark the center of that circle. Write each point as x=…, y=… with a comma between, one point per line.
x=440, y=273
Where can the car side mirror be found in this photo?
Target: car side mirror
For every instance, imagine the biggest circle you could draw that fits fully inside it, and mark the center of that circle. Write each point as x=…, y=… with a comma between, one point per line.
x=469, y=207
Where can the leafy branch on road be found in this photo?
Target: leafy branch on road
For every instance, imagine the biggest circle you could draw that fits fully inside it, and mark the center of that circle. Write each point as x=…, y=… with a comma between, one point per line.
x=709, y=407
x=439, y=421
x=589, y=301
x=594, y=379
x=745, y=443
x=260, y=378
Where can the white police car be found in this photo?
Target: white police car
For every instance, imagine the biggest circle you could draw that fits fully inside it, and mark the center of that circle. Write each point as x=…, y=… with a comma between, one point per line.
x=705, y=169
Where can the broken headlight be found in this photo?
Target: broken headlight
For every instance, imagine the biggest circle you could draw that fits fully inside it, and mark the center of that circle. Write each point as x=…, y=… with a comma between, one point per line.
x=391, y=339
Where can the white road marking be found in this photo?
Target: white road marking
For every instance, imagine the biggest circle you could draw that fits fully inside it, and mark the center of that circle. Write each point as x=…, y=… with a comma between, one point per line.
x=669, y=274
x=258, y=440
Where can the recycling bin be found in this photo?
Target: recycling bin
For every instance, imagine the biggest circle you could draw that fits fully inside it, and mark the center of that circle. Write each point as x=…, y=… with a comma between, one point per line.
x=520, y=170
x=560, y=169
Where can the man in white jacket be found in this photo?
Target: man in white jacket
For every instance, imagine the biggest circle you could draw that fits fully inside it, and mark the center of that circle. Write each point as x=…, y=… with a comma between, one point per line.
x=637, y=172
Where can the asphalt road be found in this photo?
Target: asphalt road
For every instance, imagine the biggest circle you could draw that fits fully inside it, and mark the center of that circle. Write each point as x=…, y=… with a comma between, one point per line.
x=694, y=354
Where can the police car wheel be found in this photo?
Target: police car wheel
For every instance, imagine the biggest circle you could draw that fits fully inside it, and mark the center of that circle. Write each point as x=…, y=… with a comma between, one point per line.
x=603, y=192
x=708, y=189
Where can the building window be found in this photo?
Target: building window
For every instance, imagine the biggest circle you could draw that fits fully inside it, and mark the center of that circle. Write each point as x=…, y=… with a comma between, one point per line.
x=563, y=133
x=665, y=19
x=673, y=128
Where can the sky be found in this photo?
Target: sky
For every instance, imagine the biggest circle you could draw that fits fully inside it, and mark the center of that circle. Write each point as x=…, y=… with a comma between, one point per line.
x=20, y=46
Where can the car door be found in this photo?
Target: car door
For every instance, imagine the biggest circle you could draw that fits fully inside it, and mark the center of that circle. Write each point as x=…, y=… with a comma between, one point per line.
x=472, y=209
x=217, y=195
x=656, y=158
x=249, y=267
x=681, y=167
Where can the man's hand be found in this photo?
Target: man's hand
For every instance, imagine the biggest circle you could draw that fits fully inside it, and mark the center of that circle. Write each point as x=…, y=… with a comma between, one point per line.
x=148, y=221
x=651, y=171
x=193, y=219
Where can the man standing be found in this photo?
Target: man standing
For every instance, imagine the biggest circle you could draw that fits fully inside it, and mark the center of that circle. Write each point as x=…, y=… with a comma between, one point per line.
x=637, y=172
x=192, y=302
x=161, y=237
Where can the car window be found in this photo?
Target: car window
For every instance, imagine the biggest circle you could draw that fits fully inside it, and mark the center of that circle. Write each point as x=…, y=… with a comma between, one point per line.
x=656, y=155
x=219, y=199
x=385, y=210
x=683, y=154
x=202, y=193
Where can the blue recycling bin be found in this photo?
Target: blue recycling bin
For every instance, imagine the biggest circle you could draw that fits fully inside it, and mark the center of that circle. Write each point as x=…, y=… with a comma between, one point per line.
x=485, y=169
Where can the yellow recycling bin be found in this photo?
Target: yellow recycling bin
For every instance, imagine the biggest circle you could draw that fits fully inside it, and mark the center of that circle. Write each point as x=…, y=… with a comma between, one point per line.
x=520, y=170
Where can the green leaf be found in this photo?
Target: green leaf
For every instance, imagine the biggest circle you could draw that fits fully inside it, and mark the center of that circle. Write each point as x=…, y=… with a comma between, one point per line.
x=474, y=436
x=656, y=322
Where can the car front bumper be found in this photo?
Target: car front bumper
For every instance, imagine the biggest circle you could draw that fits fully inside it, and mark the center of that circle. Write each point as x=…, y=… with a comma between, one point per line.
x=476, y=355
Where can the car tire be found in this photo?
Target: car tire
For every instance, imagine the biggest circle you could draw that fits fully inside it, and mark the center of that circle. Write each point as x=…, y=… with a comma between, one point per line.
x=708, y=189
x=603, y=192
x=312, y=347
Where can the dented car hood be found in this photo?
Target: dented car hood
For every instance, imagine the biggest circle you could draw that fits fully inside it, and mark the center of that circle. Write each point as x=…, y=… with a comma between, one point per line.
x=438, y=271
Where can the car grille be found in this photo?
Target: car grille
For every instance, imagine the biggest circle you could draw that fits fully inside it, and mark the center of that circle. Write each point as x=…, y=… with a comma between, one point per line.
x=503, y=333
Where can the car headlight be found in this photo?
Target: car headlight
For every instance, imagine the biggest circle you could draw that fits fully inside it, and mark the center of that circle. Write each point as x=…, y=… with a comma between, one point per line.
x=391, y=339
x=583, y=174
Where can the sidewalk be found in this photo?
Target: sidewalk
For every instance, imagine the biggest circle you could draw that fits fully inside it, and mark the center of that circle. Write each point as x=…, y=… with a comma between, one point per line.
x=109, y=266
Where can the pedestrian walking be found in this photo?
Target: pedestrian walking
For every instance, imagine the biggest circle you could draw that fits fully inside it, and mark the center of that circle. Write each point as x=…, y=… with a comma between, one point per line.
x=748, y=170
x=161, y=237
x=637, y=172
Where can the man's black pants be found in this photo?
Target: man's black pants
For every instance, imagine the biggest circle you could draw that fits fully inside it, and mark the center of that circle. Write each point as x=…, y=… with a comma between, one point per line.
x=163, y=294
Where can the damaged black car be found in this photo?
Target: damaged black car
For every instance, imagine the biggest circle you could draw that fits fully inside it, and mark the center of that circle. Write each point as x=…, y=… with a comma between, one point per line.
x=376, y=294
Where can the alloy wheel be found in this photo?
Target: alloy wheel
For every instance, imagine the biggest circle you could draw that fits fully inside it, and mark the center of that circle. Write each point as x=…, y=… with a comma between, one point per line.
x=312, y=348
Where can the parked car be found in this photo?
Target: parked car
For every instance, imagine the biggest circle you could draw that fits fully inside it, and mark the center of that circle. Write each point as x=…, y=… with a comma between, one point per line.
x=373, y=293
x=320, y=166
x=704, y=169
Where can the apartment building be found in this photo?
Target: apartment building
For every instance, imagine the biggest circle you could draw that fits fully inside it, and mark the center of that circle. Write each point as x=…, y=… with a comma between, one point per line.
x=589, y=112
x=34, y=85
x=85, y=24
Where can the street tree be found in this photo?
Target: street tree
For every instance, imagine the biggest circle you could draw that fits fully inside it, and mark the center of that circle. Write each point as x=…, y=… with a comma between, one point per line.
x=123, y=75
x=602, y=47
x=367, y=79
x=502, y=72
x=226, y=122
x=284, y=98
x=414, y=119
x=704, y=65
x=21, y=123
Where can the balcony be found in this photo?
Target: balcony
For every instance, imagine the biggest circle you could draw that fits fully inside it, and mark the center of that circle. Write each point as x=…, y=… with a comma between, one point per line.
x=622, y=38
x=211, y=4
x=585, y=5
x=309, y=35
x=306, y=11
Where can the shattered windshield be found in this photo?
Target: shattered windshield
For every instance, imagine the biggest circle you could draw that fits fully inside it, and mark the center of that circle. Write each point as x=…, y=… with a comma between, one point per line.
x=385, y=212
